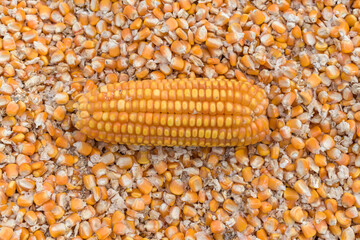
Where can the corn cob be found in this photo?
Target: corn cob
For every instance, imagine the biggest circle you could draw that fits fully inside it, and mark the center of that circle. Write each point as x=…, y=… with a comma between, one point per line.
x=178, y=112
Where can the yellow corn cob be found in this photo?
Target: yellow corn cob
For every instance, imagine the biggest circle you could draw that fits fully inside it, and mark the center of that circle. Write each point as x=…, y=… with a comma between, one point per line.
x=178, y=112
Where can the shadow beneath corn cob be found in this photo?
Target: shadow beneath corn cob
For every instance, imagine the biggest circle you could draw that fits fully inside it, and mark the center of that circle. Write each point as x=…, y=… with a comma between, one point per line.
x=177, y=112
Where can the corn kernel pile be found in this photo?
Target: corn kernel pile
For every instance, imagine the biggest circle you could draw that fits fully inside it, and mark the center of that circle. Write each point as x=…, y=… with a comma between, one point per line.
x=300, y=182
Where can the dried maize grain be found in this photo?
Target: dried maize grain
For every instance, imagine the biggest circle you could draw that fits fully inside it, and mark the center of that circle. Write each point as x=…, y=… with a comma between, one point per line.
x=185, y=112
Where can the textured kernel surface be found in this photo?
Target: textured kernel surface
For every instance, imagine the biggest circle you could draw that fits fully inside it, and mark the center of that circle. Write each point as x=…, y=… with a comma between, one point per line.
x=301, y=181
